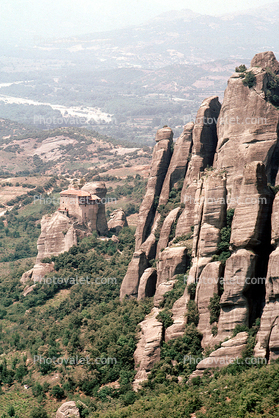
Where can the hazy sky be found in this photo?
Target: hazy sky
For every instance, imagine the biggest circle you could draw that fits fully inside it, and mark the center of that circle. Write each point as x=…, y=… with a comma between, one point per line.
x=23, y=19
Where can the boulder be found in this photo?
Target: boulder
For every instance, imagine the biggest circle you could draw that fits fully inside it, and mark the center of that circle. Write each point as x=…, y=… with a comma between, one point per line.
x=68, y=410
x=117, y=221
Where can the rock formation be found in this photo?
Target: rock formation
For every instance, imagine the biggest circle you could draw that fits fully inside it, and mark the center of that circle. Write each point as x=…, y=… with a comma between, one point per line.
x=59, y=231
x=68, y=410
x=117, y=221
x=226, y=160
x=149, y=346
x=247, y=127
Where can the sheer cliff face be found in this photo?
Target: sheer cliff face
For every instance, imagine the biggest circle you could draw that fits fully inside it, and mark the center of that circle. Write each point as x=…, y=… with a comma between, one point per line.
x=226, y=160
x=247, y=126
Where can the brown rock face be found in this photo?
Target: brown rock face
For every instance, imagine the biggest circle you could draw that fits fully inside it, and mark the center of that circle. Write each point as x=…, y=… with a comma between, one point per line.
x=159, y=166
x=268, y=336
x=166, y=230
x=147, y=284
x=117, y=221
x=240, y=268
x=135, y=270
x=230, y=350
x=179, y=162
x=241, y=302
x=266, y=60
x=148, y=348
x=99, y=189
x=68, y=410
x=247, y=127
x=204, y=145
x=171, y=261
x=179, y=310
x=208, y=285
x=57, y=235
x=253, y=211
x=163, y=288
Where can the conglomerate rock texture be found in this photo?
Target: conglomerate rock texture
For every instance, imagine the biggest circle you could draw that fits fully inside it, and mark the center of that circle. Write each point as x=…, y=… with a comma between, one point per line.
x=227, y=161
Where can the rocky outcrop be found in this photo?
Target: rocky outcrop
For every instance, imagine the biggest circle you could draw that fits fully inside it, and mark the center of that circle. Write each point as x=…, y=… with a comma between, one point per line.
x=247, y=127
x=179, y=162
x=163, y=288
x=268, y=336
x=227, y=158
x=148, y=348
x=117, y=221
x=179, y=310
x=147, y=284
x=57, y=236
x=242, y=299
x=68, y=410
x=209, y=219
x=204, y=145
x=172, y=261
x=252, y=214
x=99, y=189
x=166, y=230
x=207, y=286
x=135, y=270
x=160, y=162
x=229, y=352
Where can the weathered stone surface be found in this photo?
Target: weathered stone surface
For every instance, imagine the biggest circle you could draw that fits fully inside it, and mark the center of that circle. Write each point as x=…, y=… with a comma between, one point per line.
x=171, y=261
x=147, y=284
x=230, y=350
x=135, y=270
x=117, y=221
x=99, y=189
x=247, y=128
x=160, y=162
x=213, y=216
x=275, y=221
x=179, y=310
x=266, y=60
x=178, y=162
x=204, y=145
x=163, y=288
x=68, y=410
x=166, y=230
x=148, y=348
x=234, y=301
x=252, y=214
x=208, y=284
x=268, y=336
x=57, y=235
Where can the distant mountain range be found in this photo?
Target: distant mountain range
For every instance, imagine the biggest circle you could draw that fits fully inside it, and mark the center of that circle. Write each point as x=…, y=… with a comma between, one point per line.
x=177, y=37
